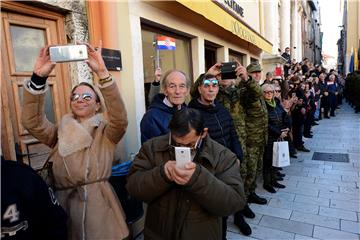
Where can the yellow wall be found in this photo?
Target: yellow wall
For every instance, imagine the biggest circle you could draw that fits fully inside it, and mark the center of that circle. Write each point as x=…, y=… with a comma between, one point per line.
x=353, y=28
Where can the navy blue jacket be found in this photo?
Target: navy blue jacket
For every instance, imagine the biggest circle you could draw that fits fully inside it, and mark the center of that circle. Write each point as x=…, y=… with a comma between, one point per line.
x=29, y=208
x=220, y=124
x=155, y=121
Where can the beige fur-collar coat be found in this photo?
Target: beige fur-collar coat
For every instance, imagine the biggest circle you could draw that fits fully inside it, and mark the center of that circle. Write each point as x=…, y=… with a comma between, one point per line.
x=82, y=159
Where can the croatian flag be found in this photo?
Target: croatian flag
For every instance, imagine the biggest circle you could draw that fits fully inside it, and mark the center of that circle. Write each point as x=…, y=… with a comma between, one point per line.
x=165, y=43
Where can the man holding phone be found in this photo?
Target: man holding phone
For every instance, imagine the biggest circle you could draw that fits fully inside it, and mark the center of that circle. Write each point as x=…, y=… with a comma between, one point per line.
x=188, y=201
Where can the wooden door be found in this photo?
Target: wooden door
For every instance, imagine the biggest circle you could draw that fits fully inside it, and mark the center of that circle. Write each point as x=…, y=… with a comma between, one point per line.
x=24, y=30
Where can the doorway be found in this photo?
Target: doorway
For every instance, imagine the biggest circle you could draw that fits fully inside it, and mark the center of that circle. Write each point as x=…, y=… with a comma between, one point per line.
x=24, y=31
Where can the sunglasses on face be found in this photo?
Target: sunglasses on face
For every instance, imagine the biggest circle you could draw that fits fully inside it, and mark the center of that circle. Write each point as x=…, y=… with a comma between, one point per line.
x=206, y=83
x=266, y=92
x=277, y=90
x=85, y=96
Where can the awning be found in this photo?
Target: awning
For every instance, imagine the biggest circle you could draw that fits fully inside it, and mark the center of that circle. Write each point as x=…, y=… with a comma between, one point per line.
x=217, y=15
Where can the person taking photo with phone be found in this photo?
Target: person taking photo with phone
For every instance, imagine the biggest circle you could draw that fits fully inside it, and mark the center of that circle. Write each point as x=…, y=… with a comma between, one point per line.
x=83, y=144
x=186, y=203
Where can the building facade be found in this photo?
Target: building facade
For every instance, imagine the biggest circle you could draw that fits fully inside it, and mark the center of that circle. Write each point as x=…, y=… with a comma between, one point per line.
x=204, y=32
x=349, y=41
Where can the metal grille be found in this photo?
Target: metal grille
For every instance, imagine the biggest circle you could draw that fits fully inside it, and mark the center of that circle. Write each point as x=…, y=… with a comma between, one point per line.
x=331, y=157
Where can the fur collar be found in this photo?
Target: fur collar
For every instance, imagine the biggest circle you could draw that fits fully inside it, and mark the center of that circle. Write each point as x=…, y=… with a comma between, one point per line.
x=74, y=136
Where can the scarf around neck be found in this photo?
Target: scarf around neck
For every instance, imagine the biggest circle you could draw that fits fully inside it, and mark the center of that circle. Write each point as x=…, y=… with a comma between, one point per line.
x=271, y=103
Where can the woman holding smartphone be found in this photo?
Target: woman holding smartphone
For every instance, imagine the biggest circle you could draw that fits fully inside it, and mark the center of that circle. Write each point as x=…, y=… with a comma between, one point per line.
x=83, y=145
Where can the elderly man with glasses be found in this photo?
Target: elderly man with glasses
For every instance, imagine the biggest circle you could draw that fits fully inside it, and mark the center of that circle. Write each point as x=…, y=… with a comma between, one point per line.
x=186, y=202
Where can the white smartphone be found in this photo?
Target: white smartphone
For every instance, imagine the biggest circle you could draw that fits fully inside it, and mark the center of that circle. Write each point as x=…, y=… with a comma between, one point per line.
x=68, y=53
x=182, y=156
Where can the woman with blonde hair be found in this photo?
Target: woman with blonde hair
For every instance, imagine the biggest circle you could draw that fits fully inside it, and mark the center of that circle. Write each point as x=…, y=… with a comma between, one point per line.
x=83, y=145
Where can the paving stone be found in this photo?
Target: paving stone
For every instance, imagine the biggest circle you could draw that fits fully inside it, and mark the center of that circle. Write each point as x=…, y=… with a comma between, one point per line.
x=346, y=205
x=319, y=186
x=350, y=178
x=338, y=213
x=344, y=173
x=287, y=225
x=271, y=211
x=301, y=237
x=326, y=175
x=298, y=206
x=335, y=182
x=261, y=232
x=277, y=195
x=339, y=196
x=349, y=190
x=254, y=220
x=314, y=200
x=303, y=179
x=324, y=221
x=331, y=234
x=299, y=190
x=350, y=226
x=237, y=236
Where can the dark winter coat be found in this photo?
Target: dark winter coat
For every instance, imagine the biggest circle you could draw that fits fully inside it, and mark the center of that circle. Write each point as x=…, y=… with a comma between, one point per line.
x=192, y=211
x=29, y=208
x=220, y=124
x=156, y=120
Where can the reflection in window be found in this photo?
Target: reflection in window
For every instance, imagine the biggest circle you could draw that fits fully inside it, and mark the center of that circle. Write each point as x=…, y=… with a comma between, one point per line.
x=26, y=43
x=49, y=109
x=177, y=59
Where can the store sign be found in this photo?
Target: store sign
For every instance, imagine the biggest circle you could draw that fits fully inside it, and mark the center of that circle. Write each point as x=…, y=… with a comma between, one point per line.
x=112, y=59
x=242, y=32
x=233, y=6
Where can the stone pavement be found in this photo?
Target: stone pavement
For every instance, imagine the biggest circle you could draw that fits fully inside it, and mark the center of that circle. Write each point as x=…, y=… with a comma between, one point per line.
x=321, y=198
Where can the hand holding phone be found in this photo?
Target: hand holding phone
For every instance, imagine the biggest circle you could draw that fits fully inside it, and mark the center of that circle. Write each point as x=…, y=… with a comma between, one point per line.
x=182, y=156
x=228, y=70
x=68, y=53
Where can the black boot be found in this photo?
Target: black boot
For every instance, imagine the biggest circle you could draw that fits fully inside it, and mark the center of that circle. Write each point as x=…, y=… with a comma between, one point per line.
x=239, y=221
x=278, y=185
x=254, y=198
x=269, y=188
x=247, y=212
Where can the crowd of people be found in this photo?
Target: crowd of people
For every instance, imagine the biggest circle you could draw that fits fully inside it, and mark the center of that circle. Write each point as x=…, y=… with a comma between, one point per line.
x=230, y=126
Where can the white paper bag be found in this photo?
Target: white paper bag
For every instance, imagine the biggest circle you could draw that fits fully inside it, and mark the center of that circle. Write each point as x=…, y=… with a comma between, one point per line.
x=281, y=156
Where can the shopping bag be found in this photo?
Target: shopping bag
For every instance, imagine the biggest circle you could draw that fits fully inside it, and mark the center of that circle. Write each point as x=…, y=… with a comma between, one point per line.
x=281, y=156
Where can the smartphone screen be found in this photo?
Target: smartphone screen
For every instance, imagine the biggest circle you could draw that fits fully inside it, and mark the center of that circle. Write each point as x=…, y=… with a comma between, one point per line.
x=182, y=156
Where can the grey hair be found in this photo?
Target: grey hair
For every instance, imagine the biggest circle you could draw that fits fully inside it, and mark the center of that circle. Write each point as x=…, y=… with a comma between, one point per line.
x=164, y=80
x=267, y=85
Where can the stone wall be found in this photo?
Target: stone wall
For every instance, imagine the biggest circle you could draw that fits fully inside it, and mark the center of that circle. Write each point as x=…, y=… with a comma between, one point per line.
x=76, y=29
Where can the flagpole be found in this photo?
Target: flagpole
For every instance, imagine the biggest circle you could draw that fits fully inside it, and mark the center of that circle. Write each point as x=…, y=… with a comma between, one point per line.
x=157, y=59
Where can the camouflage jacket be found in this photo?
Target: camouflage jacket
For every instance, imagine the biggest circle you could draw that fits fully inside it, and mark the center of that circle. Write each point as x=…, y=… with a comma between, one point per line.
x=230, y=98
x=256, y=119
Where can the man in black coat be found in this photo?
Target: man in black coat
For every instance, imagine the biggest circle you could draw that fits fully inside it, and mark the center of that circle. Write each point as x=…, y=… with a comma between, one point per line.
x=29, y=209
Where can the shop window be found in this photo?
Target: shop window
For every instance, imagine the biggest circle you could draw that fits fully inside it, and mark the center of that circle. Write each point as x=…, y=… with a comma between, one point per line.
x=233, y=55
x=180, y=58
x=210, y=54
x=253, y=60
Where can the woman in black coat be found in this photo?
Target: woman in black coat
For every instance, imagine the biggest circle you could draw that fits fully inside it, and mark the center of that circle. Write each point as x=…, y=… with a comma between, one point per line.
x=277, y=129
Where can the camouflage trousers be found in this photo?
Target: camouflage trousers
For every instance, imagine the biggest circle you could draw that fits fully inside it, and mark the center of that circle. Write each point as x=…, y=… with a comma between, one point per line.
x=251, y=167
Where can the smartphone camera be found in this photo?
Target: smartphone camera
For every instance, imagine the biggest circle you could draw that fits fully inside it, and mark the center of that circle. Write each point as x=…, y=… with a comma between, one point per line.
x=228, y=70
x=68, y=53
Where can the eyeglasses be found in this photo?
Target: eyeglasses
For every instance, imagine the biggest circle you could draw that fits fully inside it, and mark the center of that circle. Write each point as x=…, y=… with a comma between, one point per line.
x=193, y=148
x=277, y=90
x=85, y=96
x=206, y=83
x=266, y=92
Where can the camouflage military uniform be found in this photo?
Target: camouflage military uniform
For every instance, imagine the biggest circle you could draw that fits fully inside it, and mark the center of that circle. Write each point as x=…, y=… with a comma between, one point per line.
x=230, y=98
x=256, y=132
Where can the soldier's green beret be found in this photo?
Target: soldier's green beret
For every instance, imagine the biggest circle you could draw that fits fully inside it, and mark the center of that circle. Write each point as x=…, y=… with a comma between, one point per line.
x=253, y=67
